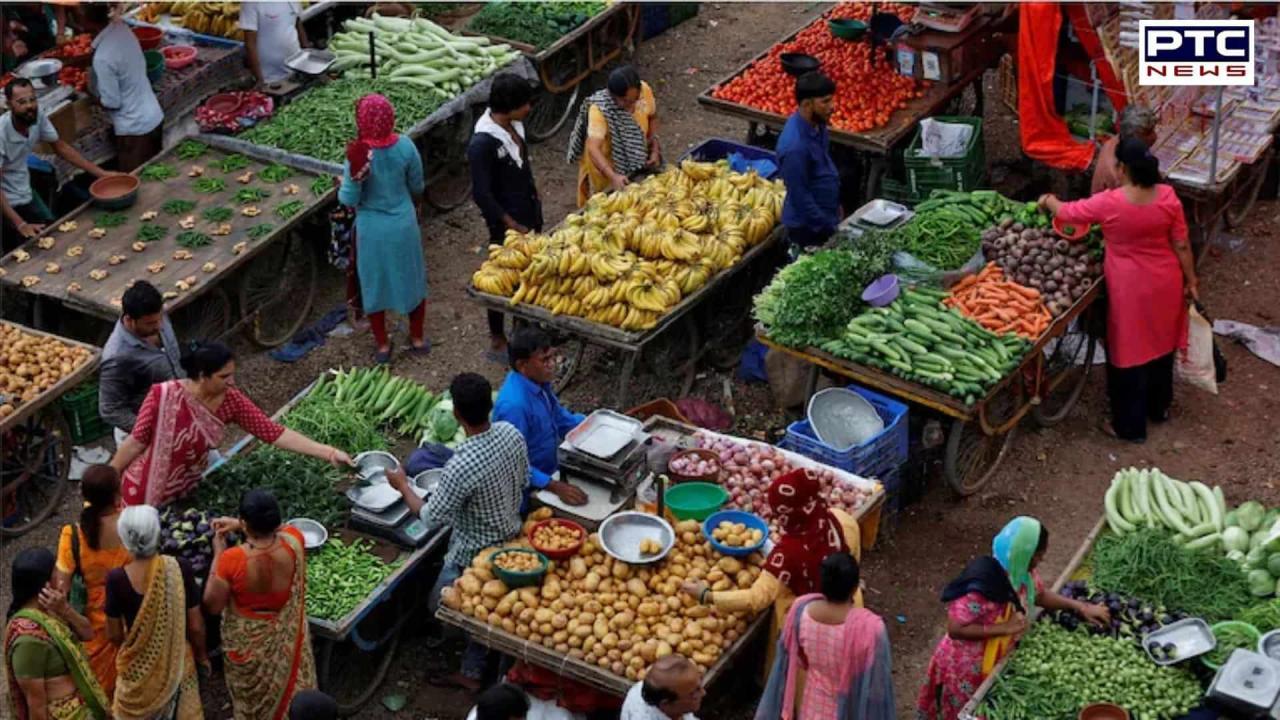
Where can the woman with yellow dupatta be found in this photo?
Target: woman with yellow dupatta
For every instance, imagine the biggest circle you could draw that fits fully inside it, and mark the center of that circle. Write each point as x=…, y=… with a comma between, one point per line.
x=153, y=612
x=987, y=609
x=265, y=637
x=48, y=671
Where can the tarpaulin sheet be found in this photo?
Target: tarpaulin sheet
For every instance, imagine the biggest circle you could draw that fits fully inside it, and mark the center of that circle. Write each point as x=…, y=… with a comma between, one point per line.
x=1045, y=136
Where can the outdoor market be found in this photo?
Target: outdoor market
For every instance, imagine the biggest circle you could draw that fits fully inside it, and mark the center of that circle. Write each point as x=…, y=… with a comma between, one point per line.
x=643, y=360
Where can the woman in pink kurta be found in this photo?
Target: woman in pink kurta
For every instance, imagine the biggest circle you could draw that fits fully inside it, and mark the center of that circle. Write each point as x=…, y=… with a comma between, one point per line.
x=1150, y=274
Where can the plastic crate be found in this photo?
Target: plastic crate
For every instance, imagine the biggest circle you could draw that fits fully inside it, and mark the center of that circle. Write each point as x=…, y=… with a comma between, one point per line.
x=718, y=149
x=880, y=454
x=80, y=408
x=959, y=173
x=899, y=191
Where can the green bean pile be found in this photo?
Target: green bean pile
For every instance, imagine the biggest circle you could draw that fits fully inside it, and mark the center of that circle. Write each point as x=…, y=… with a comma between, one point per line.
x=322, y=120
x=1054, y=673
x=1230, y=638
x=1264, y=616
x=341, y=576
x=1150, y=565
x=320, y=418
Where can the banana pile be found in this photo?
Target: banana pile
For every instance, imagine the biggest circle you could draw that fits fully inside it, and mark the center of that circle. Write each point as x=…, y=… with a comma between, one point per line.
x=628, y=257
x=207, y=18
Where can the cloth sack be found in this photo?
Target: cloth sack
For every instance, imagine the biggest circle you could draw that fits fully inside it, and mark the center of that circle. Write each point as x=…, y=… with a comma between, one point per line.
x=1195, y=366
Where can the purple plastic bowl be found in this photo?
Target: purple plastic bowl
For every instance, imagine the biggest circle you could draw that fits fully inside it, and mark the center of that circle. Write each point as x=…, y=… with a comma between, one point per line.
x=881, y=292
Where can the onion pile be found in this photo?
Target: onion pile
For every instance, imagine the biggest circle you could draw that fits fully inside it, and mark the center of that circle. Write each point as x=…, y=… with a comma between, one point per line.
x=693, y=466
x=748, y=468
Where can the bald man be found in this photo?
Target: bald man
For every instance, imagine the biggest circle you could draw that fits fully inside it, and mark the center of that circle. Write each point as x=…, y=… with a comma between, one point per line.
x=672, y=690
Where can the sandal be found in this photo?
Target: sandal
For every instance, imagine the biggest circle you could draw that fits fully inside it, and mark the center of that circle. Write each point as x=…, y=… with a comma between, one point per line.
x=1107, y=429
x=382, y=358
x=424, y=349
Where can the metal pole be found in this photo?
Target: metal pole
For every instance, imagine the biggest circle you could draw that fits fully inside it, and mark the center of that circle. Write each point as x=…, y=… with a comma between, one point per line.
x=1093, y=104
x=1217, y=127
x=373, y=59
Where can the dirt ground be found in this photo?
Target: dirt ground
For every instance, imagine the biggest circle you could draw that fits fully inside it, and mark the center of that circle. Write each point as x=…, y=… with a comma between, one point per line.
x=1057, y=474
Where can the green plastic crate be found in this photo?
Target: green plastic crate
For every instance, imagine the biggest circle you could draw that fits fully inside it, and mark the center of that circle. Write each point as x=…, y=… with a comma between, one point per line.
x=80, y=408
x=963, y=173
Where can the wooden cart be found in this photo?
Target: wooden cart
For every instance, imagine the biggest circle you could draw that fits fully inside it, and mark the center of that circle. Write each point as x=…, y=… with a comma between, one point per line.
x=566, y=63
x=679, y=350
x=1225, y=203
x=275, y=274
x=872, y=148
x=36, y=443
x=1045, y=385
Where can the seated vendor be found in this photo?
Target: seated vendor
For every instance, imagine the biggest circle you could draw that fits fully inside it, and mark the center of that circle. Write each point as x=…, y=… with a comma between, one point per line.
x=527, y=401
x=479, y=497
x=21, y=129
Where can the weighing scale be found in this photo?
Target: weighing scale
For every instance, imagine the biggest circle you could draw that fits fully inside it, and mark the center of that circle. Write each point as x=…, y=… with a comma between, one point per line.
x=394, y=523
x=946, y=17
x=610, y=482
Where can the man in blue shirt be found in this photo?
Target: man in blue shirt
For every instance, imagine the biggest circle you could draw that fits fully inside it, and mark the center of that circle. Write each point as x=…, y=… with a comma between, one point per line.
x=812, y=207
x=527, y=401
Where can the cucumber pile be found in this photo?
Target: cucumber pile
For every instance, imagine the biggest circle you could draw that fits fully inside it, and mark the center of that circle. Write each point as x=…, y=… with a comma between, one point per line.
x=920, y=340
x=385, y=398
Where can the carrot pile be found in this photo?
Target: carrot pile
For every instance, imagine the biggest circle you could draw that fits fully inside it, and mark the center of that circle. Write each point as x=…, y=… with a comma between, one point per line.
x=999, y=304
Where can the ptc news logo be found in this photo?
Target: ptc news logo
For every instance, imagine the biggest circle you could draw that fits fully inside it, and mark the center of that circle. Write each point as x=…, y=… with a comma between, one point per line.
x=1195, y=52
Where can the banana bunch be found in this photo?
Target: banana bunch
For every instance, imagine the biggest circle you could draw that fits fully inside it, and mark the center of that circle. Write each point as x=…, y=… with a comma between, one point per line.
x=208, y=18
x=701, y=171
x=496, y=280
x=682, y=245
x=608, y=268
x=691, y=277
x=654, y=297
x=514, y=255
x=759, y=224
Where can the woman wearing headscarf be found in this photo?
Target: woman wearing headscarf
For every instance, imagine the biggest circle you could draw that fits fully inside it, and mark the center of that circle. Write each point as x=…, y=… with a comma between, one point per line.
x=841, y=649
x=382, y=180
x=810, y=531
x=259, y=588
x=153, y=612
x=91, y=549
x=615, y=135
x=47, y=669
x=1151, y=276
x=987, y=610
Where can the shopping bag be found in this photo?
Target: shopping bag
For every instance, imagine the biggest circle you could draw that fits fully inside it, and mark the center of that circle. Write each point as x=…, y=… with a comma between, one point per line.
x=1195, y=366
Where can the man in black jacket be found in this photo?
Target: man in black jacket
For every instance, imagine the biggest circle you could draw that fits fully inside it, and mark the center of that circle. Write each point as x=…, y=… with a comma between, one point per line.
x=502, y=178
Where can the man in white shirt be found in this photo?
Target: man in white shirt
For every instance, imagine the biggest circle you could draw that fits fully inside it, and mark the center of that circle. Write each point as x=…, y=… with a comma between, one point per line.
x=21, y=129
x=671, y=690
x=272, y=32
x=120, y=80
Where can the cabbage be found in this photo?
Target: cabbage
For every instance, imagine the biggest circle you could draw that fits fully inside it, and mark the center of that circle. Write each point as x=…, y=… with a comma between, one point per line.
x=443, y=424
x=1236, y=556
x=1257, y=557
x=1261, y=583
x=1231, y=519
x=1258, y=538
x=1235, y=538
x=1250, y=515
x=1273, y=564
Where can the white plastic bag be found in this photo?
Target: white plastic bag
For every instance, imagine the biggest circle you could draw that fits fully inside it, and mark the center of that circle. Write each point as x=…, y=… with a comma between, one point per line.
x=1195, y=366
x=944, y=140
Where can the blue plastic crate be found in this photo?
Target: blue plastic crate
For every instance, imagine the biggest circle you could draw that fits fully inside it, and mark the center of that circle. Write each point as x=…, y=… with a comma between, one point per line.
x=882, y=452
x=719, y=149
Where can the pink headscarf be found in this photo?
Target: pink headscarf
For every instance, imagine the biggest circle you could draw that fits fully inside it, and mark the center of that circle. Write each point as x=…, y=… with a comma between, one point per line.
x=375, y=129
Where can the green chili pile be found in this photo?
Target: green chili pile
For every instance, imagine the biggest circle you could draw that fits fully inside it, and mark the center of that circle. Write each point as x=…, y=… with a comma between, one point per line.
x=341, y=576
x=304, y=486
x=536, y=24
x=1150, y=565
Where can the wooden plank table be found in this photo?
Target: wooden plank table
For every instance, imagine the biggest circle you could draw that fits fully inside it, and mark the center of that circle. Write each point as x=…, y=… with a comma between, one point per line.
x=58, y=389
x=102, y=298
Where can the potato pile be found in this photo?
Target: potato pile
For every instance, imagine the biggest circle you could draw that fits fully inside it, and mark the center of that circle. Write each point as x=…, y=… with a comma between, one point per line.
x=518, y=562
x=611, y=614
x=31, y=364
x=556, y=536
x=737, y=535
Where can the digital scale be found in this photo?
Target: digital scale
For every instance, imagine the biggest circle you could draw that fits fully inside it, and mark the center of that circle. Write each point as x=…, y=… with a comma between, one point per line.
x=378, y=509
x=606, y=457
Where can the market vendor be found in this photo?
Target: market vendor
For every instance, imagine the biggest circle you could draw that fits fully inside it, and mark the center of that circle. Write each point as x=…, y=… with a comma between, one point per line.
x=479, y=497
x=527, y=401
x=22, y=128
x=987, y=610
x=272, y=33
x=671, y=690
x=165, y=456
x=615, y=135
x=1136, y=121
x=811, y=530
x=121, y=84
x=142, y=351
x=811, y=210
x=1151, y=275
x=502, y=177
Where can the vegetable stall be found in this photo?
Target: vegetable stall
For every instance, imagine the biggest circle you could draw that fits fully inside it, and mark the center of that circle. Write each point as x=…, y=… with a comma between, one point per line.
x=983, y=345
x=199, y=217
x=36, y=368
x=876, y=106
x=1168, y=560
x=432, y=76
x=640, y=264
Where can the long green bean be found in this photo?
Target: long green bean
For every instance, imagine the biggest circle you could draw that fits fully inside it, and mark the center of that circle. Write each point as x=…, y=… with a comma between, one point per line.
x=1150, y=565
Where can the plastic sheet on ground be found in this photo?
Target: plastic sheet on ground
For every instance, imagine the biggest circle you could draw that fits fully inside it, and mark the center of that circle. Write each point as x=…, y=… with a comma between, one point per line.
x=1263, y=342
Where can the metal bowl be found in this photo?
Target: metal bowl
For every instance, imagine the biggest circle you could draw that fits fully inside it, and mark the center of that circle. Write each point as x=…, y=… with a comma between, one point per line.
x=427, y=481
x=843, y=419
x=1269, y=644
x=314, y=534
x=374, y=463
x=621, y=534
x=44, y=70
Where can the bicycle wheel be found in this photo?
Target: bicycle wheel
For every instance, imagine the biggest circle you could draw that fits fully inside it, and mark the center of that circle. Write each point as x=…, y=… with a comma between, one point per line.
x=33, y=473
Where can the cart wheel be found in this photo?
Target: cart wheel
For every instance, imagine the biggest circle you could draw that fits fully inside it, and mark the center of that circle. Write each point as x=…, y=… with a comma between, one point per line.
x=446, y=153
x=568, y=362
x=207, y=318
x=969, y=102
x=1066, y=372
x=358, y=674
x=551, y=110
x=972, y=456
x=278, y=288
x=1238, y=211
x=33, y=473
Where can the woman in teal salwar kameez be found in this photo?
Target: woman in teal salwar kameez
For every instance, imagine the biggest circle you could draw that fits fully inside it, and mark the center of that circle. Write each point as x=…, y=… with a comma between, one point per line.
x=383, y=182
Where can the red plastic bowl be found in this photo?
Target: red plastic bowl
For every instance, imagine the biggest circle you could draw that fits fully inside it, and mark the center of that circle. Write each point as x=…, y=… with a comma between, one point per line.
x=1078, y=230
x=224, y=103
x=177, y=57
x=566, y=553
x=148, y=37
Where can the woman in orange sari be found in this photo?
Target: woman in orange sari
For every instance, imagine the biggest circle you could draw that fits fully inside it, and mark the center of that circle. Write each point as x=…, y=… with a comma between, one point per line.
x=91, y=549
x=265, y=636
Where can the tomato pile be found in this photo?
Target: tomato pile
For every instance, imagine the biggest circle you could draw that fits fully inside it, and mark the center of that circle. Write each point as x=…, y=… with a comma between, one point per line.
x=868, y=90
x=74, y=77
x=81, y=44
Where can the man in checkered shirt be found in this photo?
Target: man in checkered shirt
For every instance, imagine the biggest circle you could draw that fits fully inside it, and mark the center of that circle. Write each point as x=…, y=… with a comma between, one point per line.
x=479, y=498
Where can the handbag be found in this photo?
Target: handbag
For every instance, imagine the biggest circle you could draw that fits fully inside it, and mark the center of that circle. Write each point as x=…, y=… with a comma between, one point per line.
x=78, y=596
x=1219, y=360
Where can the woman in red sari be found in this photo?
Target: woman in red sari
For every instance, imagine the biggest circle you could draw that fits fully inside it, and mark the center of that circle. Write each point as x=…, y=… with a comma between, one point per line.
x=180, y=421
x=1150, y=274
